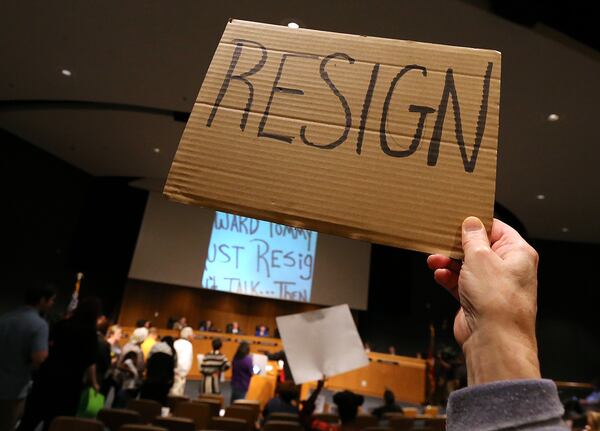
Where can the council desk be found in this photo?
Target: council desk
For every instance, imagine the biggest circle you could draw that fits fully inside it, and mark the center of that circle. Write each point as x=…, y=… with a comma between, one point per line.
x=404, y=375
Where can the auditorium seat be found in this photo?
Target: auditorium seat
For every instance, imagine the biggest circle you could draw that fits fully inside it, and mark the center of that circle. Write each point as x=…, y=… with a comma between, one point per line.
x=246, y=413
x=364, y=421
x=148, y=409
x=133, y=427
x=173, y=400
x=69, y=423
x=174, y=423
x=273, y=425
x=331, y=418
x=213, y=405
x=379, y=428
x=253, y=404
x=200, y=413
x=212, y=397
x=113, y=419
x=436, y=424
x=289, y=417
x=401, y=423
x=227, y=424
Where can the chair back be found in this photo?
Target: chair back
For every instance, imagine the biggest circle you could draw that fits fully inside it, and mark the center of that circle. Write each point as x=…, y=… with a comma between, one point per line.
x=273, y=425
x=331, y=418
x=174, y=423
x=436, y=424
x=363, y=421
x=227, y=424
x=252, y=404
x=114, y=419
x=401, y=423
x=148, y=409
x=212, y=397
x=213, y=405
x=132, y=427
x=69, y=423
x=288, y=417
x=173, y=400
x=248, y=414
x=200, y=413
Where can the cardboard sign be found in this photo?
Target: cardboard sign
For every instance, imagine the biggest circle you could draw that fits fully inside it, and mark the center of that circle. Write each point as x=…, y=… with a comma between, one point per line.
x=382, y=140
x=321, y=343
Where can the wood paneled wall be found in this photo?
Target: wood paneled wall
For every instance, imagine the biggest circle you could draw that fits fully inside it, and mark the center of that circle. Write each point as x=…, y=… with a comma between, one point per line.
x=157, y=302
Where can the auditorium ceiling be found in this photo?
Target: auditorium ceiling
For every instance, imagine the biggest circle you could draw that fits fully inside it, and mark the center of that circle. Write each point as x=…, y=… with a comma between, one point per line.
x=107, y=86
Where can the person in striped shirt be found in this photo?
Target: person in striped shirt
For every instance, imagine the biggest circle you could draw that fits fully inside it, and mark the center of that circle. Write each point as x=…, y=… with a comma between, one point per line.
x=213, y=364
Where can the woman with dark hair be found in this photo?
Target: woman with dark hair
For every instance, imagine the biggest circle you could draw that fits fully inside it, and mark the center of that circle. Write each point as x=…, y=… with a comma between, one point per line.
x=241, y=368
x=58, y=384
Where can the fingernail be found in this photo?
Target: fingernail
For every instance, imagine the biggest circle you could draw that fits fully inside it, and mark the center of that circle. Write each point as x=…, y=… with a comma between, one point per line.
x=472, y=224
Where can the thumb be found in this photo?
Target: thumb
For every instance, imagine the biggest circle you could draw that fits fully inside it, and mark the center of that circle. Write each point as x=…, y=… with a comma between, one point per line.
x=474, y=238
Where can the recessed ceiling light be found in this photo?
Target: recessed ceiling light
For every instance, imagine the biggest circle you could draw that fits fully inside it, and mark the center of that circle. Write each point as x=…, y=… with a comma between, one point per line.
x=293, y=25
x=66, y=72
x=565, y=229
x=553, y=117
x=540, y=197
x=156, y=150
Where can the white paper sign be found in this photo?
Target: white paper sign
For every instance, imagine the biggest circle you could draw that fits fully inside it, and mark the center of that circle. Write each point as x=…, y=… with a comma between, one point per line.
x=321, y=343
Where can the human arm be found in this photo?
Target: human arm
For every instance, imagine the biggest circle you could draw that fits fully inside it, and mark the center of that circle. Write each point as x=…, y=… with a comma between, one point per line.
x=496, y=286
x=90, y=374
x=39, y=346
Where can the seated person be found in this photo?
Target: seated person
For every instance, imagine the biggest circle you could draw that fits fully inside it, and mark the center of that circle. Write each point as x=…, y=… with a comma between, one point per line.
x=233, y=328
x=347, y=403
x=180, y=324
x=211, y=368
x=283, y=402
x=207, y=326
x=389, y=405
x=262, y=331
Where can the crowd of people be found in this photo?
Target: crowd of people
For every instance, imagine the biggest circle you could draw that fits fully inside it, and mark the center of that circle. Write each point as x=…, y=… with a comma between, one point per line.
x=179, y=323
x=496, y=284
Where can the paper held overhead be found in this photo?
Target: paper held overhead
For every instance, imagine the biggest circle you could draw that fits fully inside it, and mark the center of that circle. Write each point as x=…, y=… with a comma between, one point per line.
x=321, y=343
x=382, y=140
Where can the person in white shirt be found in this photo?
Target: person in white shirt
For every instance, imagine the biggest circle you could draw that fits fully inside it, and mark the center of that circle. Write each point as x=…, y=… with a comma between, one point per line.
x=185, y=354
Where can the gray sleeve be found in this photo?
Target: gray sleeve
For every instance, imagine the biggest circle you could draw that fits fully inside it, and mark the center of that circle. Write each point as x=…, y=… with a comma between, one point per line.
x=39, y=341
x=512, y=404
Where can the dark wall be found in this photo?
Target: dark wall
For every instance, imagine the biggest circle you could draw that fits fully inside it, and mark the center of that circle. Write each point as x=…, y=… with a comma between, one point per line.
x=42, y=204
x=403, y=300
x=59, y=221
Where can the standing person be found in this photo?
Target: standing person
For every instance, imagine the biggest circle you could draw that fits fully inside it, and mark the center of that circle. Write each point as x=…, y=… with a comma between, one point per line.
x=185, y=354
x=58, y=384
x=160, y=373
x=130, y=367
x=24, y=341
x=149, y=342
x=111, y=379
x=103, y=359
x=242, y=372
x=213, y=364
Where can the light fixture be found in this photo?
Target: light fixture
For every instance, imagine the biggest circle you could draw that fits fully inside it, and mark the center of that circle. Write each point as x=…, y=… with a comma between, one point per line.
x=156, y=150
x=553, y=117
x=565, y=229
x=540, y=197
x=293, y=25
x=66, y=72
